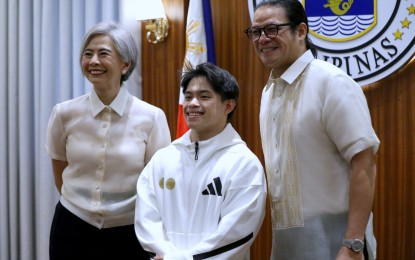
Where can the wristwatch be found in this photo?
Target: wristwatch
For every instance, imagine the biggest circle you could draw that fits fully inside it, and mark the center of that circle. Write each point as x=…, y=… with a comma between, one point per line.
x=354, y=244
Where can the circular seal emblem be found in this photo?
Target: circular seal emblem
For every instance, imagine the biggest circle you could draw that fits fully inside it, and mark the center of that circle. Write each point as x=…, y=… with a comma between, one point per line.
x=368, y=39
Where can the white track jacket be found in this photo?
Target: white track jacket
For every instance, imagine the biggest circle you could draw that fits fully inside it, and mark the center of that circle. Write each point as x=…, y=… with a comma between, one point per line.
x=201, y=201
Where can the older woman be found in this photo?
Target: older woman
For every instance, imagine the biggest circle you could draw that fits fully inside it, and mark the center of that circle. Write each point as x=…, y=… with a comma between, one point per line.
x=99, y=143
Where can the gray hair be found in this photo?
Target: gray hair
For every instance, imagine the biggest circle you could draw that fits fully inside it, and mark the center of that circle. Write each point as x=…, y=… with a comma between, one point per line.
x=123, y=41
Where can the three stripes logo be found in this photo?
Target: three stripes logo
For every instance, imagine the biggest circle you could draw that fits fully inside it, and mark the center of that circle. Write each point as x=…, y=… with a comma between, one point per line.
x=214, y=188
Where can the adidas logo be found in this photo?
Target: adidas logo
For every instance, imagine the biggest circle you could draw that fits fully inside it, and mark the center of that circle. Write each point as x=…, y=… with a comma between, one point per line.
x=214, y=188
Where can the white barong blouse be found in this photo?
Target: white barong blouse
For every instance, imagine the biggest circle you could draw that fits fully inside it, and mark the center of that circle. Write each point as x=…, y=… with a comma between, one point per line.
x=106, y=148
x=313, y=120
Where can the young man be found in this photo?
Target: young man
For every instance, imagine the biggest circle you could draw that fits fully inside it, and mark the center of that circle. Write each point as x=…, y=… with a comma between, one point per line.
x=204, y=195
x=318, y=143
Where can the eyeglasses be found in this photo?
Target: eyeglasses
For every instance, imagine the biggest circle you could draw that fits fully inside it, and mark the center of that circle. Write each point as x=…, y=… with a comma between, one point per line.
x=270, y=30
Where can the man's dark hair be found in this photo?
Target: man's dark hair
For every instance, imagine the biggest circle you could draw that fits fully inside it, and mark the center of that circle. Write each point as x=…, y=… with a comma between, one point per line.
x=220, y=79
x=295, y=13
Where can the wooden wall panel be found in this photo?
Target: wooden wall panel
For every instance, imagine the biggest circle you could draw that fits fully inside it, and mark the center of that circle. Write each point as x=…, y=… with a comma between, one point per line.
x=391, y=102
x=162, y=63
x=392, y=105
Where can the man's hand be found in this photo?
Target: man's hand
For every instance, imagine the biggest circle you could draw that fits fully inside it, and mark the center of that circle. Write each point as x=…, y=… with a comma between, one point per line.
x=347, y=254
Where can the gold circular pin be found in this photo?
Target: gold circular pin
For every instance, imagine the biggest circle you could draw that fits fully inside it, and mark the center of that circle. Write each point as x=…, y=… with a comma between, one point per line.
x=170, y=183
x=161, y=183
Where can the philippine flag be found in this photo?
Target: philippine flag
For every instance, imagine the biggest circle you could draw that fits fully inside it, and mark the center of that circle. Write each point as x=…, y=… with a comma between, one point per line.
x=200, y=47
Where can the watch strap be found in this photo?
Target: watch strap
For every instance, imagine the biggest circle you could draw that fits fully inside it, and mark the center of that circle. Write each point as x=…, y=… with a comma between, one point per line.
x=355, y=245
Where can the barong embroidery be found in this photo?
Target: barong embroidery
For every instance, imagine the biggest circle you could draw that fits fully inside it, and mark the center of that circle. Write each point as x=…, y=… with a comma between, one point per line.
x=286, y=203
